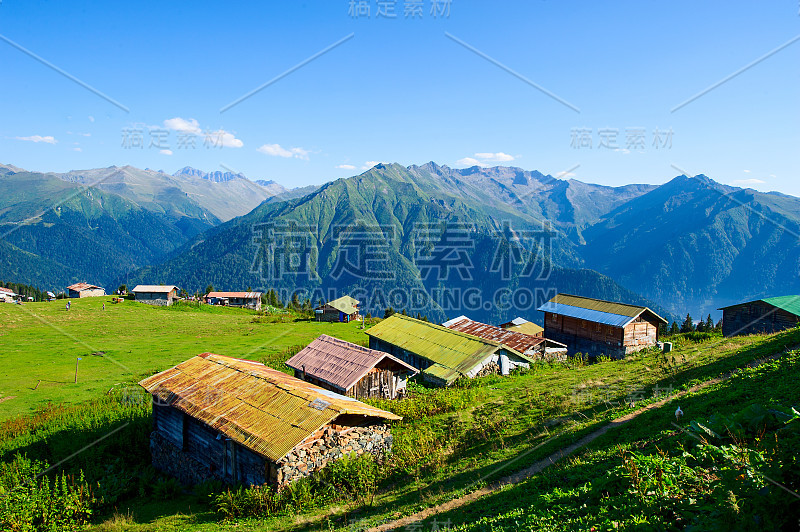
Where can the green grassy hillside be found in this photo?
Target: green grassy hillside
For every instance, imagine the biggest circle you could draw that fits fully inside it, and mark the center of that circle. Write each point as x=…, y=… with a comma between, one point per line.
x=41, y=342
x=651, y=473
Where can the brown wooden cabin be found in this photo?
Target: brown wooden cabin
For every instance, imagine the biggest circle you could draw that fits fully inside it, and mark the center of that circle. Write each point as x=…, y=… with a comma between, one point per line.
x=350, y=369
x=159, y=295
x=85, y=290
x=596, y=327
x=761, y=316
x=250, y=300
x=343, y=309
x=239, y=421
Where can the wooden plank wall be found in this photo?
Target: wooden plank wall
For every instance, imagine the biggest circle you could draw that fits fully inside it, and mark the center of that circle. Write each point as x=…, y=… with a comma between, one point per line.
x=373, y=384
x=754, y=318
x=640, y=333
x=589, y=330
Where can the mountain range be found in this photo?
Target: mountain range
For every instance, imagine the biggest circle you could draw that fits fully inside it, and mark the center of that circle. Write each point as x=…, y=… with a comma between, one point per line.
x=691, y=244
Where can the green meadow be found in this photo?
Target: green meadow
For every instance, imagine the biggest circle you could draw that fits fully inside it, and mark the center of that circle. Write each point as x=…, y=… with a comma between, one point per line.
x=711, y=470
x=41, y=342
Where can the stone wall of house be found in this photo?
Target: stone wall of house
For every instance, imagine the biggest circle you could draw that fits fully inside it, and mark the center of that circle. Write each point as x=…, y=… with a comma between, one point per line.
x=492, y=368
x=328, y=444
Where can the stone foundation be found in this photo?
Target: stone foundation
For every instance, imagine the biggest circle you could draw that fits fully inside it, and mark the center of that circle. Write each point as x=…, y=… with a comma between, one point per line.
x=328, y=444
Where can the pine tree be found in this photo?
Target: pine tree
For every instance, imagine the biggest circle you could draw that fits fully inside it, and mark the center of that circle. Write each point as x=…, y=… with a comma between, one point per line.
x=209, y=288
x=709, y=323
x=674, y=329
x=688, y=324
x=701, y=326
x=388, y=312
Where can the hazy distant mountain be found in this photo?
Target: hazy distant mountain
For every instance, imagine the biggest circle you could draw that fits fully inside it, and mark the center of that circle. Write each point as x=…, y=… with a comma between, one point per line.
x=570, y=205
x=216, y=177
x=55, y=232
x=207, y=196
x=691, y=244
x=390, y=204
x=695, y=244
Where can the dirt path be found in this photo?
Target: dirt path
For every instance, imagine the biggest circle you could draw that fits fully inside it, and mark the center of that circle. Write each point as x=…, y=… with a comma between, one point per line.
x=539, y=466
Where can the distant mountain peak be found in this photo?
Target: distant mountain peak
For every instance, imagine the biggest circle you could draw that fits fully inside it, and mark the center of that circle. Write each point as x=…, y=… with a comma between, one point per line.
x=216, y=177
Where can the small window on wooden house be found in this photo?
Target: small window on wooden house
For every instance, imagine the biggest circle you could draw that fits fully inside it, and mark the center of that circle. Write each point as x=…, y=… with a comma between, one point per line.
x=583, y=324
x=598, y=327
x=554, y=317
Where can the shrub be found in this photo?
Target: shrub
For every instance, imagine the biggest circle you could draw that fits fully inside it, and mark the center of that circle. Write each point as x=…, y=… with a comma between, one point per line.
x=31, y=501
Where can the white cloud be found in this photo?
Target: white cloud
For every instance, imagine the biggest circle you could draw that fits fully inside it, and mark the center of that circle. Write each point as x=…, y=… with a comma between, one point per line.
x=91, y=118
x=749, y=181
x=165, y=152
x=227, y=140
x=76, y=149
x=217, y=139
x=38, y=138
x=183, y=125
x=746, y=171
x=485, y=159
x=469, y=161
x=498, y=157
x=345, y=166
x=276, y=150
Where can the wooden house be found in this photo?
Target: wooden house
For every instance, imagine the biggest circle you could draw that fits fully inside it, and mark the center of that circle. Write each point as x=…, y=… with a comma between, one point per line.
x=343, y=309
x=596, y=327
x=524, y=326
x=441, y=354
x=350, y=369
x=536, y=347
x=767, y=315
x=250, y=300
x=85, y=290
x=7, y=295
x=239, y=421
x=159, y=295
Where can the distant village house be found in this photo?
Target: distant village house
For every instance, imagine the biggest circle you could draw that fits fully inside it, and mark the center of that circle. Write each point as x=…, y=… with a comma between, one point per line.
x=536, y=347
x=440, y=354
x=85, y=290
x=159, y=295
x=239, y=421
x=350, y=369
x=597, y=327
x=343, y=309
x=524, y=326
x=7, y=295
x=767, y=315
x=250, y=300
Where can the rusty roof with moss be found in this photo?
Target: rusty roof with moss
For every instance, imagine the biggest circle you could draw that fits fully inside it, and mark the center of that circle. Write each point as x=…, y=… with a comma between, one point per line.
x=260, y=408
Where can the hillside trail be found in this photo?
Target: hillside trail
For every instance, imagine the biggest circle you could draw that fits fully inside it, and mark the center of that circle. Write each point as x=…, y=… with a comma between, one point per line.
x=555, y=457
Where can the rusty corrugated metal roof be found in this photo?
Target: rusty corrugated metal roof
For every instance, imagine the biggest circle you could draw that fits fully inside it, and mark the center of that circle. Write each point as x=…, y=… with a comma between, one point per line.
x=243, y=295
x=524, y=343
x=77, y=287
x=259, y=407
x=154, y=288
x=339, y=363
x=456, y=352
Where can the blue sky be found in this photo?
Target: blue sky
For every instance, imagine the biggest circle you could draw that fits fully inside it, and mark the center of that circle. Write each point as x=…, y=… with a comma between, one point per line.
x=400, y=90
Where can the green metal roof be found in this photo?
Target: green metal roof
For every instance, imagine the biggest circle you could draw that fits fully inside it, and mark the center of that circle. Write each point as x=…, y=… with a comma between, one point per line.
x=453, y=353
x=345, y=304
x=787, y=303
